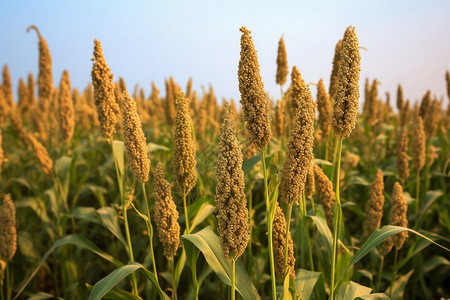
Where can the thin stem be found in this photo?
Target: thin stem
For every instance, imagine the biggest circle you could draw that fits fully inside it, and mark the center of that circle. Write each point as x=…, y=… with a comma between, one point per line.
x=233, y=279
x=186, y=216
x=336, y=143
x=269, y=217
x=250, y=250
x=418, y=192
x=150, y=231
x=121, y=179
x=174, y=284
x=337, y=223
x=286, y=245
x=380, y=272
x=394, y=273
x=8, y=288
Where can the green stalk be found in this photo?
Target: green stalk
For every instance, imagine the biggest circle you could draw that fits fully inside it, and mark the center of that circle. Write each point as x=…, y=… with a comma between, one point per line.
x=186, y=216
x=394, y=272
x=233, y=280
x=306, y=231
x=336, y=223
x=150, y=230
x=336, y=144
x=418, y=192
x=121, y=179
x=174, y=284
x=379, y=274
x=250, y=250
x=286, y=245
x=269, y=216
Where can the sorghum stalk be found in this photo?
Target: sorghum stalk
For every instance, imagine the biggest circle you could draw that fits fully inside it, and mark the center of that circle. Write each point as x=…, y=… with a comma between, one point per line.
x=345, y=111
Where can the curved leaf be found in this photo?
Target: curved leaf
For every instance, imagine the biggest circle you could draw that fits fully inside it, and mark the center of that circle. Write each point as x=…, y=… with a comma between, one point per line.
x=350, y=290
x=73, y=239
x=209, y=244
x=102, y=287
x=304, y=283
x=377, y=296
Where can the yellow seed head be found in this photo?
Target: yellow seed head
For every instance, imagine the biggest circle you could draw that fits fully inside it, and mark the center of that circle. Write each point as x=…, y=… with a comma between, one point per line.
x=404, y=114
x=22, y=91
x=374, y=206
x=334, y=71
x=418, y=145
x=45, y=78
x=279, y=119
x=102, y=80
x=66, y=109
x=166, y=214
x=41, y=154
x=432, y=118
x=300, y=145
x=254, y=99
x=189, y=88
x=231, y=203
x=169, y=103
x=310, y=186
x=8, y=233
x=397, y=215
x=399, y=98
x=2, y=154
x=325, y=193
x=425, y=105
x=282, y=64
x=7, y=87
x=346, y=98
x=134, y=140
x=279, y=244
x=402, y=156
x=184, y=148
x=324, y=107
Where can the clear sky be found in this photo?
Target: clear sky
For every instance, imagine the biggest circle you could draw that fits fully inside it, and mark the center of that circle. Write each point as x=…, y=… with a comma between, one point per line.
x=407, y=42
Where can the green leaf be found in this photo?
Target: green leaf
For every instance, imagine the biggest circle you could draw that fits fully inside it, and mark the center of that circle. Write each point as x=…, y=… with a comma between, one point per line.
x=318, y=161
x=248, y=165
x=109, y=219
x=117, y=294
x=379, y=236
x=72, y=239
x=102, y=287
x=286, y=294
x=118, y=152
x=350, y=290
x=398, y=289
x=209, y=244
x=205, y=210
x=377, y=296
x=154, y=147
x=324, y=232
x=304, y=283
x=62, y=167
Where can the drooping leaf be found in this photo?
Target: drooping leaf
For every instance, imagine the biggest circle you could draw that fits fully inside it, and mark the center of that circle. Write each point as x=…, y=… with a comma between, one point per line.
x=377, y=296
x=118, y=152
x=350, y=290
x=209, y=244
x=304, y=283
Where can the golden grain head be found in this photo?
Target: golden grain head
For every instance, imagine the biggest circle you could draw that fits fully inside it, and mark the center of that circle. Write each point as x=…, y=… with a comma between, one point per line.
x=397, y=215
x=336, y=63
x=254, y=98
x=231, y=203
x=399, y=98
x=134, y=140
x=8, y=233
x=184, y=160
x=282, y=64
x=279, y=245
x=374, y=205
x=102, y=80
x=402, y=156
x=66, y=108
x=418, y=144
x=346, y=97
x=166, y=214
x=300, y=145
x=325, y=193
x=324, y=108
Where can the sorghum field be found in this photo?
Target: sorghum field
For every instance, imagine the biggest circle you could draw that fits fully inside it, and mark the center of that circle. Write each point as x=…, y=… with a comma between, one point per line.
x=107, y=192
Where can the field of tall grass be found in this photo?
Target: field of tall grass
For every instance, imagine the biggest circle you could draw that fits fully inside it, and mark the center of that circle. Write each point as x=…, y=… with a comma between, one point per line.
x=108, y=192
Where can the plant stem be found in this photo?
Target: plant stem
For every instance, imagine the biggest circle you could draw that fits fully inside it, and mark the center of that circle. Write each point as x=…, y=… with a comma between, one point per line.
x=306, y=231
x=150, y=230
x=233, y=279
x=186, y=216
x=250, y=250
x=336, y=223
x=336, y=143
x=174, y=284
x=394, y=273
x=269, y=216
x=286, y=245
x=418, y=193
x=121, y=181
x=379, y=274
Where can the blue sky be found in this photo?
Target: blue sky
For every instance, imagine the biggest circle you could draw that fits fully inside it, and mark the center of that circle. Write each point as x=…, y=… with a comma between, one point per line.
x=407, y=42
